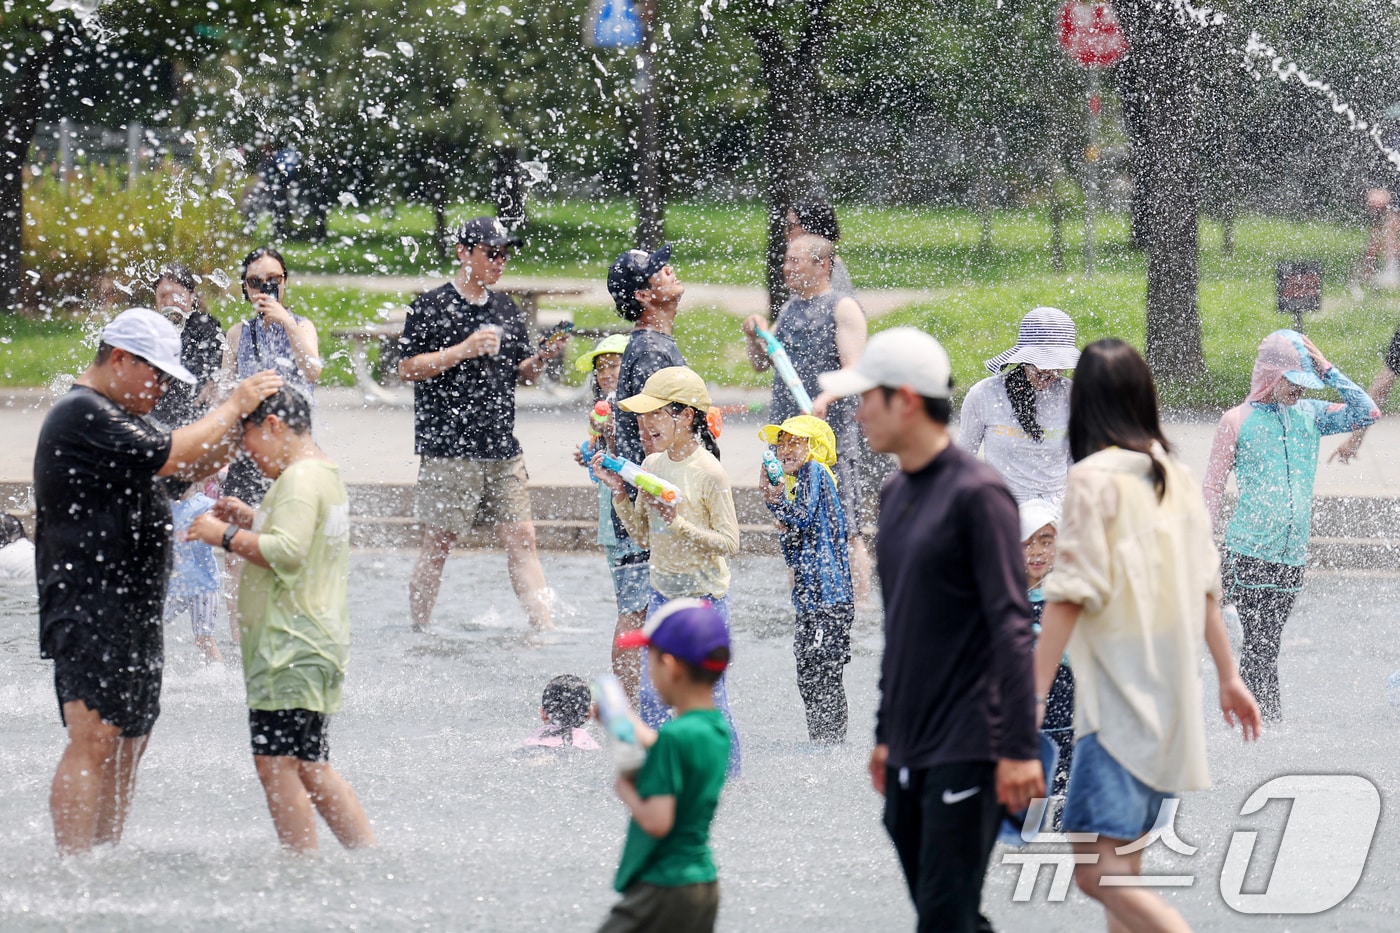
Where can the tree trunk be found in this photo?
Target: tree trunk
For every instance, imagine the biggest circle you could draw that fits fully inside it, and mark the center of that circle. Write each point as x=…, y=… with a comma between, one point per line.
x=1161, y=63
x=651, y=193
x=19, y=121
x=790, y=77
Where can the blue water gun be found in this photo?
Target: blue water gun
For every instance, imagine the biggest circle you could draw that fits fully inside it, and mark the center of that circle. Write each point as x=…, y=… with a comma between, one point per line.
x=641, y=479
x=772, y=468
x=615, y=715
x=778, y=356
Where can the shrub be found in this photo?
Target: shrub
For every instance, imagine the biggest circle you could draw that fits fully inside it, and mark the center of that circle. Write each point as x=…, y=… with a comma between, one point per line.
x=95, y=238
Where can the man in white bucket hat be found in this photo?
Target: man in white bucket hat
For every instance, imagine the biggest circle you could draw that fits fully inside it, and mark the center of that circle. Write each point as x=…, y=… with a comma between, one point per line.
x=1019, y=418
x=102, y=547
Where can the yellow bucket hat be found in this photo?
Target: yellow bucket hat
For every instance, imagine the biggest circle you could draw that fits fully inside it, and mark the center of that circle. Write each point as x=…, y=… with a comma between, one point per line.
x=821, y=440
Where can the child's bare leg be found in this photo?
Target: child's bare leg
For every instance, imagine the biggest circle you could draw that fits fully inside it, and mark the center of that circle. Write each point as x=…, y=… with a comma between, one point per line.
x=210, y=647
x=627, y=662
x=861, y=576
x=287, y=801
x=233, y=566
x=335, y=800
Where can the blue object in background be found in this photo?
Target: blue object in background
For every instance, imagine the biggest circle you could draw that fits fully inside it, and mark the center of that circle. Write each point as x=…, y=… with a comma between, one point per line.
x=616, y=26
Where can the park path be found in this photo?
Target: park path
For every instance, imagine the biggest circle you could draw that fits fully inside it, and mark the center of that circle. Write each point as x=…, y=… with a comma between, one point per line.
x=739, y=300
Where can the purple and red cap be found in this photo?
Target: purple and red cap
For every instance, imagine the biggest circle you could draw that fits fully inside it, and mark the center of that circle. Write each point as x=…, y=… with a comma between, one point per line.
x=690, y=629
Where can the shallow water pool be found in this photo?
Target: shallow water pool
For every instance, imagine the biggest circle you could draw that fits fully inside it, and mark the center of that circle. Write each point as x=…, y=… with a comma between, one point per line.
x=475, y=836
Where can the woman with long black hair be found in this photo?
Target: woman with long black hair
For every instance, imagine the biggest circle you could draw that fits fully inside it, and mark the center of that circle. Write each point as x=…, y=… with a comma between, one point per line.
x=1135, y=594
x=1019, y=418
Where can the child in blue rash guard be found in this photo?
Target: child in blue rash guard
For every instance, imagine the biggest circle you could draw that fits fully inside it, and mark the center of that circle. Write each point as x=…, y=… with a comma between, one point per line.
x=1270, y=442
x=626, y=560
x=812, y=533
x=1039, y=518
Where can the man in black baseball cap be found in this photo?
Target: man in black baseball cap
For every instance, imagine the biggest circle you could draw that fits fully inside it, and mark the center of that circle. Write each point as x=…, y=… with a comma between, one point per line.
x=631, y=273
x=646, y=291
x=465, y=347
x=486, y=231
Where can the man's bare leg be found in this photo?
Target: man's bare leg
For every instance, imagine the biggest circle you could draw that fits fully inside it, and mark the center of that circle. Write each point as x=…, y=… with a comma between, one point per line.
x=526, y=573
x=627, y=662
x=118, y=787
x=337, y=803
x=287, y=801
x=76, y=795
x=423, y=586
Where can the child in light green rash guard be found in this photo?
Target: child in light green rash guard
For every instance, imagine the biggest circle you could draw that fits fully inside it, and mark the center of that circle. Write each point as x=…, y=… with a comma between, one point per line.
x=294, y=618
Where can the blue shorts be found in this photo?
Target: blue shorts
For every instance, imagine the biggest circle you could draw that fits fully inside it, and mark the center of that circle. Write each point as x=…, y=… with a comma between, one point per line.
x=631, y=576
x=1104, y=798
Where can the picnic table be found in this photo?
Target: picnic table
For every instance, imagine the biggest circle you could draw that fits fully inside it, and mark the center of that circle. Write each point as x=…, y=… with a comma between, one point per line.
x=385, y=334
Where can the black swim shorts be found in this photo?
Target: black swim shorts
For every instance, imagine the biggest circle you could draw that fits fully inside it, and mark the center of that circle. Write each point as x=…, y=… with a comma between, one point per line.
x=123, y=687
x=290, y=733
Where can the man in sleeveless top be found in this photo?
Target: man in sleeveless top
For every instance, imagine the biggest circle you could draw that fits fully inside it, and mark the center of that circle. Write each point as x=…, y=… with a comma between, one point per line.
x=822, y=330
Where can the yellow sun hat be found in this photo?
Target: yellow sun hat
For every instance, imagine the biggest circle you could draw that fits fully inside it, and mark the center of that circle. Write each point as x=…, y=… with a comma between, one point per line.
x=821, y=440
x=672, y=384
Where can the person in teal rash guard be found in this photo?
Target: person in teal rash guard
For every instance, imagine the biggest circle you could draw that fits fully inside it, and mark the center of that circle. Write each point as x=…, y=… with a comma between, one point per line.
x=1270, y=442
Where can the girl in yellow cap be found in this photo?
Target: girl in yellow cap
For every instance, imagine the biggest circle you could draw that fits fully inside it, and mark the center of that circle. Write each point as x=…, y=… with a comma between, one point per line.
x=812, y=532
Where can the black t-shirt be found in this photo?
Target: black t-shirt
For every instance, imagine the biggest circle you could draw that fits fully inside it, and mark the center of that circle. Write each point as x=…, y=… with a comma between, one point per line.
x=102, y=529
x=468, y=411
x=647, y=351
x=956, y=681
x=202, y=353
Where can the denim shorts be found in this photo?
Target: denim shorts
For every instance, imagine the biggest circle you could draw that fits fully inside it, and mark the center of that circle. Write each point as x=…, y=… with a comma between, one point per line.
x=631, y=577
x=1104, y=798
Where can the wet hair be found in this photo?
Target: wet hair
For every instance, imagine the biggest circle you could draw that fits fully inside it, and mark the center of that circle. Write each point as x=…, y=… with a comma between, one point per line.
x=104, y=353
x=566, y=701
x=703, y=675
x=10, y=529
x=937, y=409
x=700, y=425
x=817, y=217
x=290, y=406
x=1114, y=404
x=180, y=274
x=253, y=257
x=1022, y=395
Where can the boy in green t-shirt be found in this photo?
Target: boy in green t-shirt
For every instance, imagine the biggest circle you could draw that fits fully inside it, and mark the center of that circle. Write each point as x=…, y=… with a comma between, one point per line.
x=667, y=875
x=294, y=619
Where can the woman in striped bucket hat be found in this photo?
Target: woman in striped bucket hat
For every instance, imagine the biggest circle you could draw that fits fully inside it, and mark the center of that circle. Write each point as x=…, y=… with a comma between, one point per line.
x=1019, y=418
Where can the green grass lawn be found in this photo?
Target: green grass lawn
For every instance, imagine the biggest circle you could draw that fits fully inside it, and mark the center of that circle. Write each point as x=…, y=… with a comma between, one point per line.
x=976, y=295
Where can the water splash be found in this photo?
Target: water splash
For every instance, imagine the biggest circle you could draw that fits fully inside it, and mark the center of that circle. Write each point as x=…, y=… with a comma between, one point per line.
x=1257, y=51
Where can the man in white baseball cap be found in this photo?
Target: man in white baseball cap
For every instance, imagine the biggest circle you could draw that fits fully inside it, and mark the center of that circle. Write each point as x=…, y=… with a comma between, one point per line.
x=102, y=542
x=955, y=734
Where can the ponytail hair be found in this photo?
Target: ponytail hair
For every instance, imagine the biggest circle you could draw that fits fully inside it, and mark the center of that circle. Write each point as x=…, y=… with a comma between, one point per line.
x=1114, y=404
x=1022, y=395
x=700, y=425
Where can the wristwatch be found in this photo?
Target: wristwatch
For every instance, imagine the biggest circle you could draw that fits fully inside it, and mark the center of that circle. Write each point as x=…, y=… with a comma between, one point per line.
x=229, y=532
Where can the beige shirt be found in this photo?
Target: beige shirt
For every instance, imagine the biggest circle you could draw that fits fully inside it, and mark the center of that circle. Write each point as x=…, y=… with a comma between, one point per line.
x=1141, y=570
x=688, y=555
